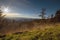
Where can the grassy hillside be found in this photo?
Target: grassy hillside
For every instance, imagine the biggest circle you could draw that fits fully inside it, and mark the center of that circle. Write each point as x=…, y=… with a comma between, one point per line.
x=49, y=32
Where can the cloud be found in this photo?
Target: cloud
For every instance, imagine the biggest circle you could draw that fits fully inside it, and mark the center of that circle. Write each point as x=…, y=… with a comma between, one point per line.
x=11, y=14
x=18, y=15
x=15, y=3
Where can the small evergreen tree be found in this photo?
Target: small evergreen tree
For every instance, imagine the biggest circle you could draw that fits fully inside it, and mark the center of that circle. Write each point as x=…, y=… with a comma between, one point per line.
x=57, y=16
x=52, y=15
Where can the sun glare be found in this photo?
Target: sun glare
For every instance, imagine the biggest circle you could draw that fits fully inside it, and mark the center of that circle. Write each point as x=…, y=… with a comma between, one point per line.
x=6, y=10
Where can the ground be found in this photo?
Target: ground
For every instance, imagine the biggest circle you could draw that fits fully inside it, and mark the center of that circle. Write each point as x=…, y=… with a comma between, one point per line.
x=49, y=32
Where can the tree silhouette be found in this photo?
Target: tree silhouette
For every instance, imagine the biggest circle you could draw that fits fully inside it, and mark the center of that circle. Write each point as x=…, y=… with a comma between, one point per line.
x=1, y=16
x=52, y=15
x=1, y=19
x=43, y=13
x=57, y=16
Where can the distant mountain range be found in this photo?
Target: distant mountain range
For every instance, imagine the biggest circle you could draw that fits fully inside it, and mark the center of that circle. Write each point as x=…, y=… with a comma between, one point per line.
x=21, y=19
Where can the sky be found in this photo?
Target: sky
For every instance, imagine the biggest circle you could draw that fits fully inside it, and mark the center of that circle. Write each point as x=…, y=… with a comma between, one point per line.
x=29, y=8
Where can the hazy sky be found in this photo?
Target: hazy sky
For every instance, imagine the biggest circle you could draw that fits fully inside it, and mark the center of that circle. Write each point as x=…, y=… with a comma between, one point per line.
x=29, y=8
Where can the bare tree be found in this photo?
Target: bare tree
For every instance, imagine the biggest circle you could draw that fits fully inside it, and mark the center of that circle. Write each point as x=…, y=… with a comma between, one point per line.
x=43, y=13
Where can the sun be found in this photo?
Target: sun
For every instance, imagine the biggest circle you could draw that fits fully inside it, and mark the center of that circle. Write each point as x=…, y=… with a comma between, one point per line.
x=6, y=9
